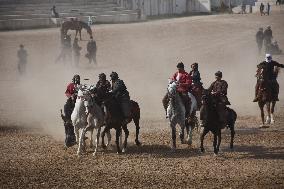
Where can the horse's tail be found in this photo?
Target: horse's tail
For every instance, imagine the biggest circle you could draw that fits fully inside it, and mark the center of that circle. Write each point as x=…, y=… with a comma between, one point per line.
x=135, y=109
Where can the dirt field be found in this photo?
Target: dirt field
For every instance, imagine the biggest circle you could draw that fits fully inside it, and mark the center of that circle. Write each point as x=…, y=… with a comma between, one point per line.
x=145, y=56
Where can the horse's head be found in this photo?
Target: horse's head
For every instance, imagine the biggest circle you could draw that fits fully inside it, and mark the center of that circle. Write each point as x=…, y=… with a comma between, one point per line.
x=172, y=88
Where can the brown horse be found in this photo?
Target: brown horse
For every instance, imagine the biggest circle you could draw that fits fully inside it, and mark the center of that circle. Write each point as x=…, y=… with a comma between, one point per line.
x=75, y=25
x=266, y=97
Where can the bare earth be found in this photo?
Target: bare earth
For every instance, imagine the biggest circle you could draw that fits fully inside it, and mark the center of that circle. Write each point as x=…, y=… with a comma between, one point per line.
x=145, y=55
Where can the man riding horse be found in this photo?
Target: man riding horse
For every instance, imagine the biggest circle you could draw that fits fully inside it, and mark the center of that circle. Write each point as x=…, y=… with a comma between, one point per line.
x=196, y=87
x=71, y=93
x=184, y=81
x=121, y=94
x=266, y=74
x=218, y=90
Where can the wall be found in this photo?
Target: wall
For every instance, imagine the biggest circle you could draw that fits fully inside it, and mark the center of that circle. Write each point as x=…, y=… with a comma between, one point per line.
x=167, y=7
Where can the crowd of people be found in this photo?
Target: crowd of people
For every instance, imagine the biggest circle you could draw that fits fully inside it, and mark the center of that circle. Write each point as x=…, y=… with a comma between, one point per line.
x=67, y=49
x=264, y=38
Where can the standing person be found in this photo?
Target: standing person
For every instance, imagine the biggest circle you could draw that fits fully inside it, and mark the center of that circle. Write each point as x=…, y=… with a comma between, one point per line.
x=261, y=9
x=76, y=52
x=22, y=56
x=54, y=14
x=268, y=9
x=243, y=8
x=259, y=39
x=92, y=51
x=267, y=35
x=278, y=2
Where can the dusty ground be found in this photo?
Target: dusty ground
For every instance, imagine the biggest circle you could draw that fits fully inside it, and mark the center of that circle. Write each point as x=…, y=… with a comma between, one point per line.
x=144, y=55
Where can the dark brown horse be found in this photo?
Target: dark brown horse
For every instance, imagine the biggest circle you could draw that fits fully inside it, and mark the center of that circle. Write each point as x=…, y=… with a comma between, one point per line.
x=210, y=119
x=75, y=25
x=266, y=97
x=115, y=119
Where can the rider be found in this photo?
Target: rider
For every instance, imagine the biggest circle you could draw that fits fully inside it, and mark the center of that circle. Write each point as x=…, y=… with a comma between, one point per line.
x=103, y=86
x=268, y=67
x=196, y=86
x=218, y=90
x=22, y=56
x=121, y=94
x=184, y=81
x=71, y=93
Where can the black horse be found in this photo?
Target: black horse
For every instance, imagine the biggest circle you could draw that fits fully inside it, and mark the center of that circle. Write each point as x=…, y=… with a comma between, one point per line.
x=115, y=119
x=211, y=122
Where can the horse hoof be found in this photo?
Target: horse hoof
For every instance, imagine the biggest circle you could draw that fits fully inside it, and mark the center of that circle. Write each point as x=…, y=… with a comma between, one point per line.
x=123, y=150
x=272, y=122
x=94, y=154
x=202, y=150
x=118, y=152
x=104, y=147
x=138, y=143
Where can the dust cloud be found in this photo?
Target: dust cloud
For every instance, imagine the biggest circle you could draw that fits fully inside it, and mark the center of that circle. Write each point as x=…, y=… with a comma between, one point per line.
x=144, y=55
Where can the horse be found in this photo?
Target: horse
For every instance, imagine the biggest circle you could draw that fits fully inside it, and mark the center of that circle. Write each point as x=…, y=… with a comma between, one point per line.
x=87, y=118
x=266, y=98
x=75, y=25
x=210, y=121
x=176, y=114
x=114, y=119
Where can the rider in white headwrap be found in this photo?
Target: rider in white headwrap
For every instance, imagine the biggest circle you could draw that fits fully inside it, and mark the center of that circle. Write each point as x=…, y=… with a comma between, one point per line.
x=266, y=69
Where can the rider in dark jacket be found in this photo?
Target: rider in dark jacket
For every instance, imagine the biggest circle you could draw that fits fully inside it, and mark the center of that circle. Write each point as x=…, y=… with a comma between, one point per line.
x=103, y=86
x=121, y=94
x=218, y=90
x=268, y=67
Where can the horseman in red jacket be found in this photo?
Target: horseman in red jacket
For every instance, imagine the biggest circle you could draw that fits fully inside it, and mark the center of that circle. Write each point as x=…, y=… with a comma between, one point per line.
x=71, y=93
x=184, y=81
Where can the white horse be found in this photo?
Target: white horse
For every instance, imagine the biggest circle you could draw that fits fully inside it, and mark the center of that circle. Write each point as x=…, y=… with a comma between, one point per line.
x=176, y=114
x=87, y=116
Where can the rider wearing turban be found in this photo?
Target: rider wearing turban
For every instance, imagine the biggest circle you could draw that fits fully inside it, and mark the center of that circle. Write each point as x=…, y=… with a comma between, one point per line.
x=266, y=70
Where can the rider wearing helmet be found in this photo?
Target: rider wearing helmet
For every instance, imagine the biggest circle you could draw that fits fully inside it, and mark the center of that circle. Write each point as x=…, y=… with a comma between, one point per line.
x=121, y=94
x=71, y=93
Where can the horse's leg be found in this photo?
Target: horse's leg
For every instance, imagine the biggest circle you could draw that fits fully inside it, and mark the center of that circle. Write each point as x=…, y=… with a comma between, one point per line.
x=204, y=132
x=173, y=127
x=268, y=113
x=77, y=134
x=106, y=129
x=80, y=34
x=81, y=141
x=76, y=33
x=136, y=122
x=181, y=134
x=91, y=138
x=126, y=132
x=272, y=112
x=261, y=106
x=232, y=128
x=97, y=140
x=189, y=135
x=118, y=132
x=219, y=138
